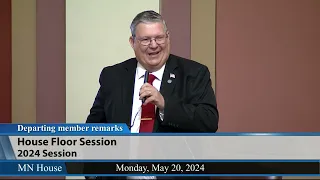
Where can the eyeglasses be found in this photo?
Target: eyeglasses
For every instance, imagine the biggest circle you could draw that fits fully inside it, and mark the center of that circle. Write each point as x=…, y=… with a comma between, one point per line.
x=159, y=40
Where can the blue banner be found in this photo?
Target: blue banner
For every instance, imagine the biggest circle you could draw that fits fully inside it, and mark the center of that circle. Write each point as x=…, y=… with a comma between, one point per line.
x=158, y=168
x=62, y=129
x=121, y=129
x=32, y=168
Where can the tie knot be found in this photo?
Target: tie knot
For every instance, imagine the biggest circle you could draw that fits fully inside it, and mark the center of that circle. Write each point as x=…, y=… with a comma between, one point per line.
x=151, y=78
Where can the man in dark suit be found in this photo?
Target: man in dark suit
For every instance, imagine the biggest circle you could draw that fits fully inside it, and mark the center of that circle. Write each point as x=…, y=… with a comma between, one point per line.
x=184, y=99
x=177, y=98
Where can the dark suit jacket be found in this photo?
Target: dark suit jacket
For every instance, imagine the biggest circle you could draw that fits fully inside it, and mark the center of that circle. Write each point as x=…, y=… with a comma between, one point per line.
x=190, y=103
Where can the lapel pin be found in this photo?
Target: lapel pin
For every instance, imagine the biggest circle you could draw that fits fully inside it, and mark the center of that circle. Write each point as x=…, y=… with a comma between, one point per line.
x=169, y=81
x=172, y=76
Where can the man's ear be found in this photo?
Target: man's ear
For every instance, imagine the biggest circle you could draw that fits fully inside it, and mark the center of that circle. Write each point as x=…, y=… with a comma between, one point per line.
x=131, y=40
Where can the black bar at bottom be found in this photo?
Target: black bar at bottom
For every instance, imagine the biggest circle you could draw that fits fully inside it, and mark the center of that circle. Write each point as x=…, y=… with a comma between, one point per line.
x=193, y=168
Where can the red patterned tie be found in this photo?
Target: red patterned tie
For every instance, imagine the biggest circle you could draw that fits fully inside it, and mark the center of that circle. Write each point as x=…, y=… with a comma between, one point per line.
x=148, y=112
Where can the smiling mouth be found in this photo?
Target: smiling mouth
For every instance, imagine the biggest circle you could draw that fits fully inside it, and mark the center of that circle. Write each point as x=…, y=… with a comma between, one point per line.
x=153, y=53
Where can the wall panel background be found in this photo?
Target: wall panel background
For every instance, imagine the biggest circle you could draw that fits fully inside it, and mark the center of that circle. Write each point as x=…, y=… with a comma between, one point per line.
x=97, y=35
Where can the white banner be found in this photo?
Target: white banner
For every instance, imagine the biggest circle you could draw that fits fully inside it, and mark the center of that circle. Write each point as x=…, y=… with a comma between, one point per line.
x=166, y=147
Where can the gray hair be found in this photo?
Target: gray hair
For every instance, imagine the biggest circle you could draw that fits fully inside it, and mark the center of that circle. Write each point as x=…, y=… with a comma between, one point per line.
x=146, y=17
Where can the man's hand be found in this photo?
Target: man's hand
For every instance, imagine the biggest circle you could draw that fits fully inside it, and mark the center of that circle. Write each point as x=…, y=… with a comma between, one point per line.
x=152, y=95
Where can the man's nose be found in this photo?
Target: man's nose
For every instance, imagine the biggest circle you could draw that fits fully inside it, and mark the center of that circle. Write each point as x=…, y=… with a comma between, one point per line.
x=153, y=43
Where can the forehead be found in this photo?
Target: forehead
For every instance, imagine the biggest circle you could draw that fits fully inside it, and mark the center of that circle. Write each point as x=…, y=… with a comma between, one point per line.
x=149, y=29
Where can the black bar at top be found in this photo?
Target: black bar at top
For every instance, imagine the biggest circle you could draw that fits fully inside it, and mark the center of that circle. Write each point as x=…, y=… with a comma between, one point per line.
x=195, y=168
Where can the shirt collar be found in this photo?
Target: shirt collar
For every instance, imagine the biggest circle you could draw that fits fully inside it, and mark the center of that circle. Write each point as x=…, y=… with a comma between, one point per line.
x=158, y=74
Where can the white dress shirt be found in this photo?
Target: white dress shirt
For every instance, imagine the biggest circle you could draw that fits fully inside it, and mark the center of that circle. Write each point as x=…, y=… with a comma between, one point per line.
x=136, y=106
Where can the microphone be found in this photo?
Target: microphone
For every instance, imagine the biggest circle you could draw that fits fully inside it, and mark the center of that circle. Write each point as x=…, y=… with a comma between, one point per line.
x=146, y=77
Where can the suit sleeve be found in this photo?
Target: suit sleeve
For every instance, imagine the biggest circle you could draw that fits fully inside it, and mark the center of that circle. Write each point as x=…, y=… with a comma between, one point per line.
x=198, y=112
x=97, y=114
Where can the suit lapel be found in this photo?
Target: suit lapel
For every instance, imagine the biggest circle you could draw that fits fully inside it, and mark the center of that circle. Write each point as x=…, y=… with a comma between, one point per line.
x=127, y=88
x=169, y=78
x=168, y=82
